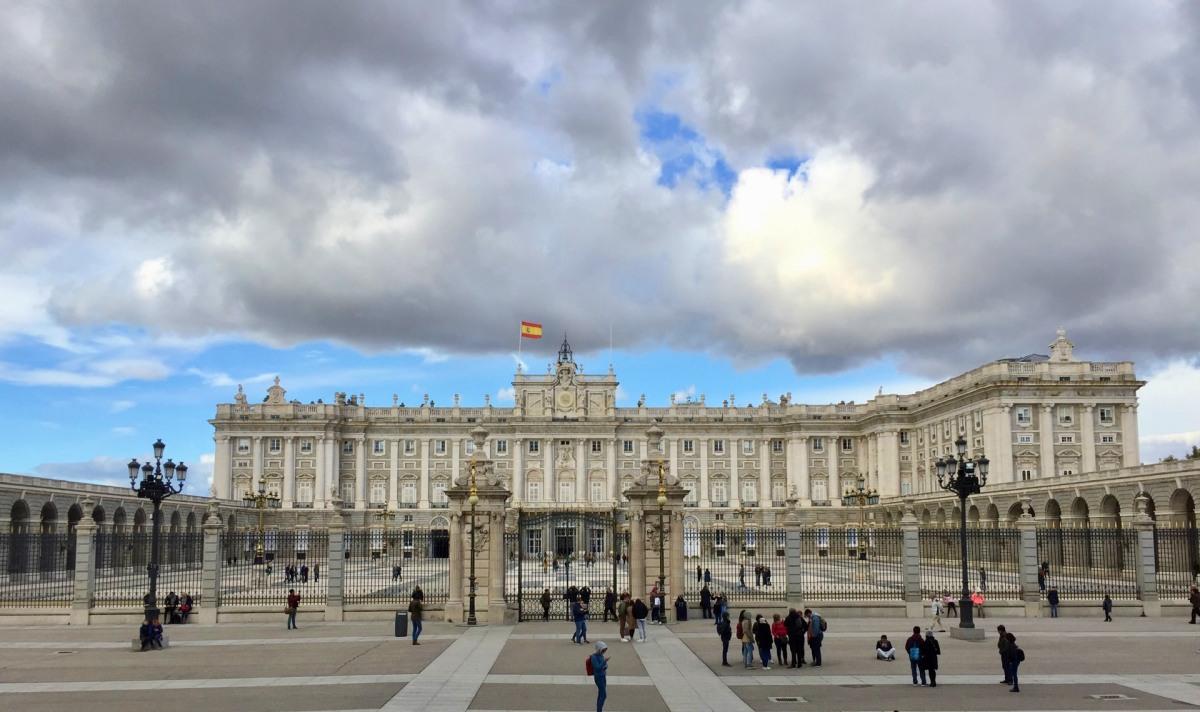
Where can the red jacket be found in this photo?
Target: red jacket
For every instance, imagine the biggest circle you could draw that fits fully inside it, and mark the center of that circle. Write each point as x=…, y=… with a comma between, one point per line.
x=293, y=600
x=778, y=629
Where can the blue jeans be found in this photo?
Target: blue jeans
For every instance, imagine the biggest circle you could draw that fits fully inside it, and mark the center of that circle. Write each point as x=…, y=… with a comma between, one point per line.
x=292, y=619
x=580, y=631
x=915, y=667
x=1012, y=670
x=601, y=692
x=764, y=652
x=416, y=625
x=748, y=654
x=1053, y=610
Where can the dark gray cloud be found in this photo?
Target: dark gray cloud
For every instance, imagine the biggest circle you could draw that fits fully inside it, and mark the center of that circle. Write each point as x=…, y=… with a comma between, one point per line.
x=425, y=175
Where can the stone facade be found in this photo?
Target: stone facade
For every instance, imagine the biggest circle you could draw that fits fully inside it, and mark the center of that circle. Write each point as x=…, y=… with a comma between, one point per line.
x=565, y=443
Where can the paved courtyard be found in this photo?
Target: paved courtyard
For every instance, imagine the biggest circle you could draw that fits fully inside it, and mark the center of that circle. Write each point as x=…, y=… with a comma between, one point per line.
x=1148, y=664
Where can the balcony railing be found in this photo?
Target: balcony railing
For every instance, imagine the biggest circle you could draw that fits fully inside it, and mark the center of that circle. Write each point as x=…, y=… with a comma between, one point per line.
x=722, y=503
x=778, y=503
x=439, y=505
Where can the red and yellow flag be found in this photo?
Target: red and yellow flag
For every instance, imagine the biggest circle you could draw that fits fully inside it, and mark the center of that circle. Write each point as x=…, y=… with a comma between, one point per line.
x=529, y=330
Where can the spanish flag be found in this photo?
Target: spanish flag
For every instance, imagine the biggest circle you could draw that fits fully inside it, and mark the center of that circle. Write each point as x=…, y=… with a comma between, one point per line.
x=529, y=330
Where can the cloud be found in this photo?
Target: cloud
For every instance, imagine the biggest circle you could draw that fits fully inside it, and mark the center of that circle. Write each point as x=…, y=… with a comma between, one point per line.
x=124, y=430
x=506, y=394
x=88, y=374
x=101, y=470
x=685, y=394
x=974, y=175
x=120, y=406
x=220, y=379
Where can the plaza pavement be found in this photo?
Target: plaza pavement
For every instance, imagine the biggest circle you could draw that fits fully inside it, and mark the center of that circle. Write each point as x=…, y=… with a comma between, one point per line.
x=534, y=666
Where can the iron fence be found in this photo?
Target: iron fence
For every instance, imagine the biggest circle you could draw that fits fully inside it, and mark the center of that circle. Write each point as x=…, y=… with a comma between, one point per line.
x=39, y=569
x=846, y=564
x=122, y=579
x=992, y=557
x=1087, y=563
x=291, y=559
x=1176, y=560
x=741, y=563
x=386, y=566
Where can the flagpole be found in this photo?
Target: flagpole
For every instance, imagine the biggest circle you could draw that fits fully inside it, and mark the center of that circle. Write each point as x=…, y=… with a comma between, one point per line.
x=520, y=338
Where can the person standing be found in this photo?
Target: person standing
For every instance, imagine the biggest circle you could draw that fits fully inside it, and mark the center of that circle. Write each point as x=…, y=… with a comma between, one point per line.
x=706, y=603
x=912, y=646
x=1107, y=606
x=316, y=573
x=1016, y=656
x=982, y=579
x=655, y=609
x=416, y=611
x=546, y=604
x=1002, y=647
x=1194, y=599
x=741, y=575
x=935, y=611
x=699, y=574
x=1052, y=599
x=640, y=611
x=725, y=633
x=707, y=577
x=796, y=628
x=930, y=650
x=780, y=635
x=600, y=674
x=762, y=636
x=623, y=618
x=610, y=604
x=579, y=615
x=746, y=636
x=293, y=602
x=816, y=635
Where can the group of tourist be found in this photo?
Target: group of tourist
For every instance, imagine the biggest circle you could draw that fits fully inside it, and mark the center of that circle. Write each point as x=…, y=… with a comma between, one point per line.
x=923, y=656
x=785, y=636
x=177, y=608
x=293, y=573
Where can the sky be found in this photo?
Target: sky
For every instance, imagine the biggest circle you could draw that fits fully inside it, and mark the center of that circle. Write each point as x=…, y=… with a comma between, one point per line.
x=756, y=197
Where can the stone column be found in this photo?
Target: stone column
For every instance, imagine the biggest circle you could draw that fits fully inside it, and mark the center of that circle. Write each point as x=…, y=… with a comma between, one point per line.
x=518, y=478
x=764, y=473
x=423, y=480
x=335, y=574
x=1087, y=433
x=455, y=445
x=1027, y=560
x=581, y=494
x=675, y=572
x=1143, y=527
x=360, y=473
x=888, y=463
x=549, y=480
x=321, y=482
x=637, y=555
x=289, y=471
x=805, y=485
x=394, y=475
x=497, y=607
x=614, y=486
x=210, y=571
x=835, y=481
x=256, y=463
x=1046, y=466
x=85, y=567
x=1129, y=436
x=705, y=497
x=735, y=488
x=868, y=462
x=222, y=470
x=454, y=605
x=910, y=562
x=795, y=564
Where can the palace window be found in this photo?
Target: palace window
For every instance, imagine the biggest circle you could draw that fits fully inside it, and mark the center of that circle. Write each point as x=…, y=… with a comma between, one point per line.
x=1024, y=416
x=778, y=491
x=469, y=447
x=566, y=491
x=534, y=490
x=903, y=437
x=439, y=447
x=1025, y=439
x=408, y=493
x=439, y=493
x=1108, y=439
x=747, y=447
x=818, y=444
x=305, y=446
x=378, y=492
x=906, y=487
x=597, y=491
x=777, y=446
x=1066, y=439
x=274, y=444
x=718, y=447
x=1106, y=415
x=596, y=448
x=243, y=445
x=820, y=492
x=749, y=492
x=304, y=491
x=689, y=446
x=410, y=446
x=847, y=444
x=1068, y=473
x=347, y=447
x=379, y=447
x=627, y=447
x=535, y=446
x=501, y=447
x=1026, y=474
x=720, y=493
x=1066, y=415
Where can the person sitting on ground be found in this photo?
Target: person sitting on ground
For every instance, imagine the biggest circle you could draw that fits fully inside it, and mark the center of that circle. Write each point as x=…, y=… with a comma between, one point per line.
x=145, y=635
x=884, y=650
x=185, y=607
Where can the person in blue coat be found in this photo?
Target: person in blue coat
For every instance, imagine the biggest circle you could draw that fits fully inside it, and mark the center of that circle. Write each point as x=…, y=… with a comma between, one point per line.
x=600, y=674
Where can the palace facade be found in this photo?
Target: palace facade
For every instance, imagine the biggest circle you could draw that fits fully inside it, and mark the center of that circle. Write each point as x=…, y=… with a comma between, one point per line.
x=564, y=443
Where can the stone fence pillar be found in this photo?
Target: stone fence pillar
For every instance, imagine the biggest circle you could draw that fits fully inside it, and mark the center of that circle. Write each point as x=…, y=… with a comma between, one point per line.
x=910, y=562
x=1027, y=560
x=656, y=490
x=1147, y=583
x=210, y=569
x=85, y=568
x=335, y=574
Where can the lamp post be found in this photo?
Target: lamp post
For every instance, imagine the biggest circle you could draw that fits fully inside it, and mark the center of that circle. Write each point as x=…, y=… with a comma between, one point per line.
x=472, y=499
x=261, y=501
x=964, y=477
x=159, y=481
x=862, y=496
x=662, y=548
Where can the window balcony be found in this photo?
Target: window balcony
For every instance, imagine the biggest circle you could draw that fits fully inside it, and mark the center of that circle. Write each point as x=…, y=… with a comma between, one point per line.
x=407, y=505
x=302, y=505
x=439, y=505
x=691, y=504
x=822, y=503
x=377, y=505
x=778, y=503
x=722, y=503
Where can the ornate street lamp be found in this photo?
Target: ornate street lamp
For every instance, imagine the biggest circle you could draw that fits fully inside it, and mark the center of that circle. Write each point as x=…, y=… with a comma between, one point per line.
x=862, y=496
x=662, y=549
x=963, y=477
x=159, y=481
x=261, y=501
x=472, y=499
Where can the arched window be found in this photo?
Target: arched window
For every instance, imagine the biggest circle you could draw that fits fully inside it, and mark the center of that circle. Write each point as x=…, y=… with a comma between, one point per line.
x=378, y=492
x=749, y=491
x=534, y=491
x=566, y=491
x=720, y=492
x=819, y=491
x=408, y=492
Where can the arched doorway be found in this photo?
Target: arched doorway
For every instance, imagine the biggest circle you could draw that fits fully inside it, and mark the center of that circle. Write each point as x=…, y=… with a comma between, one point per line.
x=439, y=538
x=19, y=544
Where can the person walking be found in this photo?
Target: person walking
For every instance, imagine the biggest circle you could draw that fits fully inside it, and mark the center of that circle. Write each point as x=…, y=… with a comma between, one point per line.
x=746, y=636
x=725, y=633
x=579, y=615
x=780, y=635
x=1107, y=606
x=699, y=574
x=950, y=605
x=982, y=579
x=1052, y=599
x=640, y=611
x=796, y=628
x=610, y=604
x=930, y=650
x=707, y=577
x=293, y=602
x=1002, y=645
x=1016, y=656
x=912, y=646
x=600, y=674
x=762, y=636
x=1194, y=599
x=935, y=611
x=741, y=575
x=416, y=612
x=816, y=635
x=706, y=603
x=546, y=604
x=630, y=617
x=623, y=618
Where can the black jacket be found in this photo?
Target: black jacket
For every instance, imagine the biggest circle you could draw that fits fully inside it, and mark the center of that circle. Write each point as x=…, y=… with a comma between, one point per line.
x=725, y=629
x=796, y=626
x=930, y=650
x=762, y=633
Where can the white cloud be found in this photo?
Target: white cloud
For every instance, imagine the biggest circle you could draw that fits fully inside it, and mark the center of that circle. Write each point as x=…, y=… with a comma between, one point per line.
x=153, y=276
x=120, y=406
x=1168, y=421
x=685, y=394
x=124, y=430
x=220, y=379
x=507, y=394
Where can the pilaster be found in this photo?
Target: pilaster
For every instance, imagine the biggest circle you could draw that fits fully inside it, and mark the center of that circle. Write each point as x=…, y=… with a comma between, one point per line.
x=289, y=472
x=1027, y=560
x=910, y=561
x=335, y=574
x=1087, y=433
x=85, y=567
x=210, y=569
x=1143, y=527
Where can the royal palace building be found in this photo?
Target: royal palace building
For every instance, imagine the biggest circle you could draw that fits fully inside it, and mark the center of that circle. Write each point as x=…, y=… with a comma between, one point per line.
x=565, y=444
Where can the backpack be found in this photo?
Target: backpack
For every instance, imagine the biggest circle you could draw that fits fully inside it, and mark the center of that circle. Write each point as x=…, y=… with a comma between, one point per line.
x=587, y=666
x=1020, y=655
x=824, y=625
x=914, y=653
x=739, y=630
